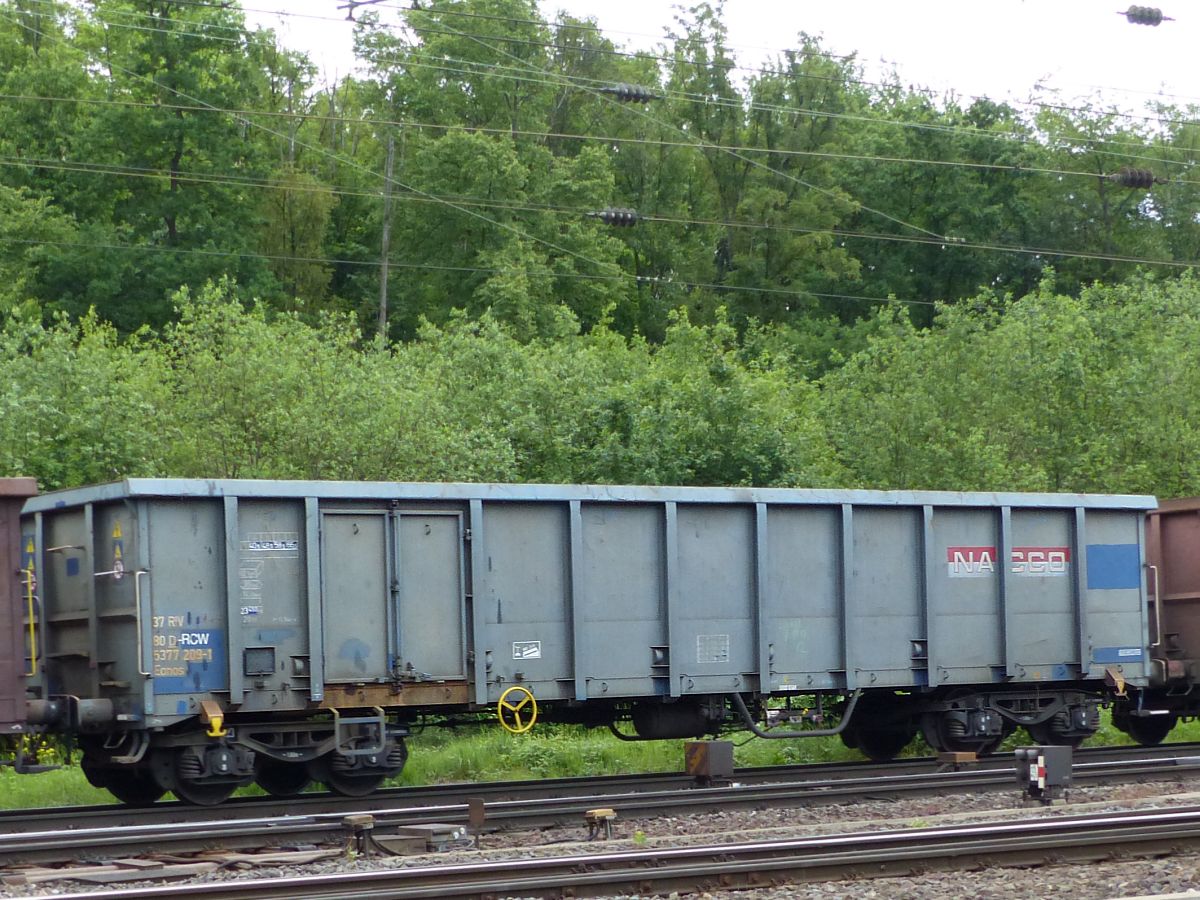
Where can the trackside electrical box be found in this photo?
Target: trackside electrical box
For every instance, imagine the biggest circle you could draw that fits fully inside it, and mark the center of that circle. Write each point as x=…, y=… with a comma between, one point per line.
x=1044, y=772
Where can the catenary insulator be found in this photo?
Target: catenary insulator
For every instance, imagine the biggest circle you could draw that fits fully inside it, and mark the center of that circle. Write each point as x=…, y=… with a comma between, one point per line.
x=1145, y=15
x=630, y=93
x=1133, y=178
x=620, y=216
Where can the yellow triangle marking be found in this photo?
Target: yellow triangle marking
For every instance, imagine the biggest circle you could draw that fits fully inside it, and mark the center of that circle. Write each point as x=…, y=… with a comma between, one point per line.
x=116, y=531
x=29, y=548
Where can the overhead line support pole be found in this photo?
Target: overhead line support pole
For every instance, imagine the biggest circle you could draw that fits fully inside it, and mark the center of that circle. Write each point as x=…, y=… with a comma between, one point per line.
x=386, y=239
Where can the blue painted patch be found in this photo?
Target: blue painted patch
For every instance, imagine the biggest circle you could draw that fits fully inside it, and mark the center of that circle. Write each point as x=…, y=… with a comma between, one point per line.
x=72, y=565
x=183, y=676
x=181, y=707
x=275, y=635
x=1114, y=567
x=1060, y=673
x=1118, y=655
x=356, y=651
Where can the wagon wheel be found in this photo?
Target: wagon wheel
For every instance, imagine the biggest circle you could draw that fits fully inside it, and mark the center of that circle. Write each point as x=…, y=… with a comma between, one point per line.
x=935, y=727
x=202, y=794
x=1149, y=730
x=345, y=783
x=132, y=786
x=1042, y=733
x=281, y=779
x=880, y=728
x=883, y=745
x=97, y=775
x=197, y=791
x=353, y=785
x=135, y=787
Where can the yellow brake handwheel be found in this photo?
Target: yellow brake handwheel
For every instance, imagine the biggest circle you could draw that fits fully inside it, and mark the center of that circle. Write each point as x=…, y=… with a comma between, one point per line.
x=517, y=709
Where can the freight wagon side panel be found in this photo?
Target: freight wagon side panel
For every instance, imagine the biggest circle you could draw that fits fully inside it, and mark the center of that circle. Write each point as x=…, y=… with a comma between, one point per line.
x=356, y=578
x=1114, y=625
x=523, y=603
x=585, y=600
x=265, y=573
x=89, y=560
x=187, y=610
x=803, y=598
x=118, y=582
x=1035, y=594
x=392, y=592
x=713, y=613
x=16, y=558
x=622, y=600
x=885, y=616
x=66, y=561
x=1042, y=596
x=966, y=626
x=431, y=614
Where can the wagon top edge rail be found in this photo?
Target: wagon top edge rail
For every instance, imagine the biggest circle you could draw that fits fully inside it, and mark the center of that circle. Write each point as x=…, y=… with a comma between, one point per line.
x=388, y=490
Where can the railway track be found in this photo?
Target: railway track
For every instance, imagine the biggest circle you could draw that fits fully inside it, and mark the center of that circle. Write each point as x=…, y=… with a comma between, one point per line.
x=14, y=822
x=756, y=864
x=179, y=829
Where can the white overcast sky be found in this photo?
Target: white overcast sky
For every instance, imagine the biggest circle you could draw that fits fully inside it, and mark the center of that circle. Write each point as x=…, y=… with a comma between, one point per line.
x=1000, y=48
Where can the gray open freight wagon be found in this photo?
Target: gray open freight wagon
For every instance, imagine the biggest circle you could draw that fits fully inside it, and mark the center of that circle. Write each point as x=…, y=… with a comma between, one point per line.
x=165, y=602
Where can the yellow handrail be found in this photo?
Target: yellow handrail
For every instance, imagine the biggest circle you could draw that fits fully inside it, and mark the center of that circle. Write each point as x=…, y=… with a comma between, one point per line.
x=29, y=598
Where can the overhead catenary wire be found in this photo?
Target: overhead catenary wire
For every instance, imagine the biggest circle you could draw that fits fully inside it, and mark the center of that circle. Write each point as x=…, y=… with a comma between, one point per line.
x=932, y=238
x=377, y=121
x=464, y=202
x=635, y=54
x=1097, y=144
x=503, y=225
x=582, y=276
x=508, y=206
x=711, y=146
x=689, y=96
x=769, y=68
x=738, y=103
x=639, y=111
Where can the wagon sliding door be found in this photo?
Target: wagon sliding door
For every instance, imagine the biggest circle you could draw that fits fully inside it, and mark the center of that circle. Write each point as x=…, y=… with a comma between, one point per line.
x=431, y=611
x=355, y=579
x=392, y=584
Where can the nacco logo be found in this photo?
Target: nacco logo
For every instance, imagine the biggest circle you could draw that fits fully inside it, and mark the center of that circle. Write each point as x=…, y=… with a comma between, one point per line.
x=980, y=562
x=1040, y=560
x=971, y=562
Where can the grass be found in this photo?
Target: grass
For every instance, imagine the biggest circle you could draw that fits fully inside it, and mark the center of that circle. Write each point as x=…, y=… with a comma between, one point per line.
x=60, y=787
x=440, y=756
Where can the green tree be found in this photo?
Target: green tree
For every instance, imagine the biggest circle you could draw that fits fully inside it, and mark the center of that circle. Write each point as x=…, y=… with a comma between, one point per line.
x=78, y=404
x=296, y=215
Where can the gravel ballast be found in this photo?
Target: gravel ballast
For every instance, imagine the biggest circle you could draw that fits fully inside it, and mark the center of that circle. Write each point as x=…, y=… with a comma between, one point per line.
x=1100, y=881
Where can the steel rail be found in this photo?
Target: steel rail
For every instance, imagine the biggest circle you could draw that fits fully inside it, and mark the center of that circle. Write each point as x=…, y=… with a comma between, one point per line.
x=59, y=845
x=317, y=803
x=738, y=865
